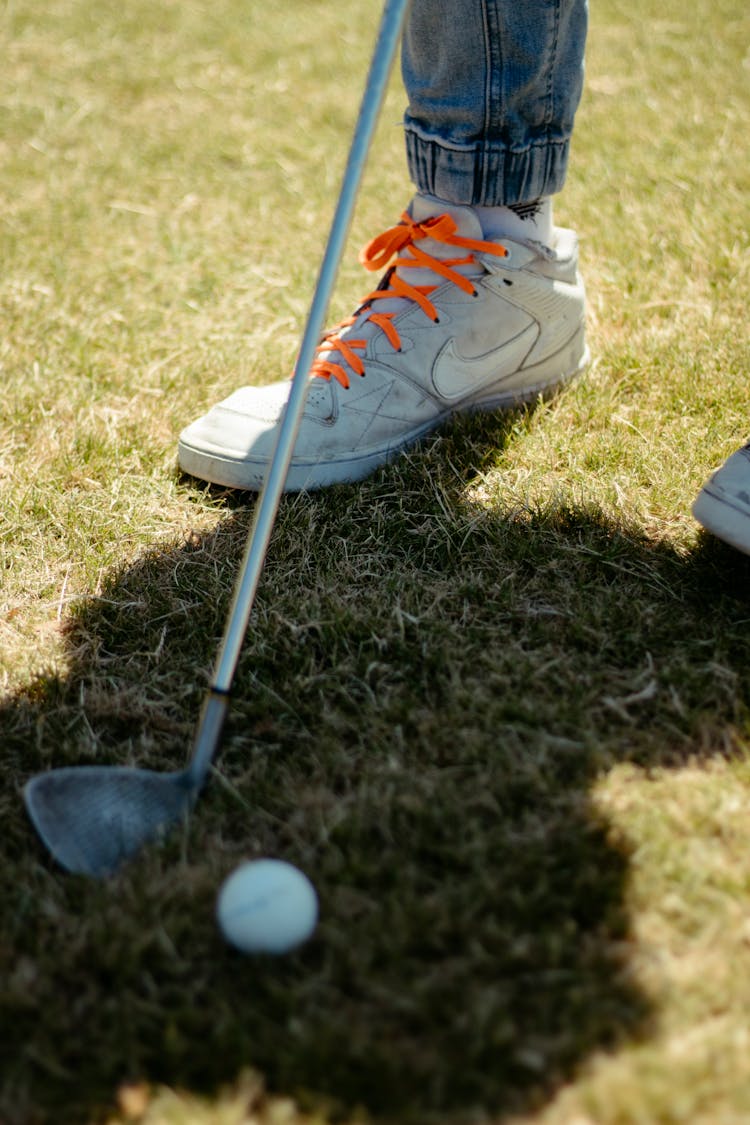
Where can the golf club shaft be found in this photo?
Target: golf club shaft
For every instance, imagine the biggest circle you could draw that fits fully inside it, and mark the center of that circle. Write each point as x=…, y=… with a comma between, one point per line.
x=214, y=711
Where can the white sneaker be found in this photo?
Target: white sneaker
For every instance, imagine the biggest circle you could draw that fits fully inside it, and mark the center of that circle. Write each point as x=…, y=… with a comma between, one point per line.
x=723, y=504
x=457, y=323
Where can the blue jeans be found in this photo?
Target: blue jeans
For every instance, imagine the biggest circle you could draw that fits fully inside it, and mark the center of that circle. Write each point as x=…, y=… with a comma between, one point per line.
x=493, y=86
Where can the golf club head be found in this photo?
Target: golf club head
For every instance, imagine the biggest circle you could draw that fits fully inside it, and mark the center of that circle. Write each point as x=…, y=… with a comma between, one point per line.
x=93, y=818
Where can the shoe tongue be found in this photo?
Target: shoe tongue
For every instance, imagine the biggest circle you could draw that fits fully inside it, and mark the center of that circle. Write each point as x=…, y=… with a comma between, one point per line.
x=423, y=207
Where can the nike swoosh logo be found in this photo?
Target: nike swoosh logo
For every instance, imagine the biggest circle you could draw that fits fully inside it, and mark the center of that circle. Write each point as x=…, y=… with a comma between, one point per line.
x=455, y=376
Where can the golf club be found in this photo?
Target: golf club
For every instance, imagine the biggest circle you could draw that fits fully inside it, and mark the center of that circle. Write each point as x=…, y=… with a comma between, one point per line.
x=93, y=818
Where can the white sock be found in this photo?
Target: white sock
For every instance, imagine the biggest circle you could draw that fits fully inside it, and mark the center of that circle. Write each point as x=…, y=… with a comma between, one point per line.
x=522, y=221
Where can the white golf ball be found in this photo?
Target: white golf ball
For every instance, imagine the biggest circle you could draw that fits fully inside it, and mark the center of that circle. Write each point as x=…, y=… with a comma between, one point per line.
x=267, y=906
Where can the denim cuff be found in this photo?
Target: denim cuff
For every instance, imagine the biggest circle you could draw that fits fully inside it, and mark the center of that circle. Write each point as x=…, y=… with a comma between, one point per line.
x=485, y=173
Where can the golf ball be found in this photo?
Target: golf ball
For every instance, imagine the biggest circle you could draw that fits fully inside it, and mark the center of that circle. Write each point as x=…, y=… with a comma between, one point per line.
x=267, y=906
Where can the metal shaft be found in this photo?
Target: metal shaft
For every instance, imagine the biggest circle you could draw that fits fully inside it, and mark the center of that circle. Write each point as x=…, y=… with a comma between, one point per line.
x=209, y=728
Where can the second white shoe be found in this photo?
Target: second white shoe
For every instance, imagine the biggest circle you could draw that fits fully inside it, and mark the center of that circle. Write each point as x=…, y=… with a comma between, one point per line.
x=723, y=504
x=458, y=323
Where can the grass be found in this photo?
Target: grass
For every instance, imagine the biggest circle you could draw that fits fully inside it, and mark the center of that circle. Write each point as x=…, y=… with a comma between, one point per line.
x=493, y=700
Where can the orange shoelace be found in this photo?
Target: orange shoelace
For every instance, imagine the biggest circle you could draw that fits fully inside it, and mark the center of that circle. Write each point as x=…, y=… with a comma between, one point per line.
x=379, y=254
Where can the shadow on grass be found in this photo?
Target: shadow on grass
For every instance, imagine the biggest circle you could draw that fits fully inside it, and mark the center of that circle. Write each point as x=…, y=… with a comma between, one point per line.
x=427, y=694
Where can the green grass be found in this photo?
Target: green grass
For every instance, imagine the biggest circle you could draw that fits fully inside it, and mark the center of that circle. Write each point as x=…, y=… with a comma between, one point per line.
x=493, y=700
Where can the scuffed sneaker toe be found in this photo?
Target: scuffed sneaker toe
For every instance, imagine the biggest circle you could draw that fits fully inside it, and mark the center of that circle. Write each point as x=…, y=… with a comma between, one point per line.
x=231, y=444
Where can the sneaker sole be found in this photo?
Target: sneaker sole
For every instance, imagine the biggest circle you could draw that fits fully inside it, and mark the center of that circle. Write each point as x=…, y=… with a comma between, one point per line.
x=723, y=519
x=308, y=476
